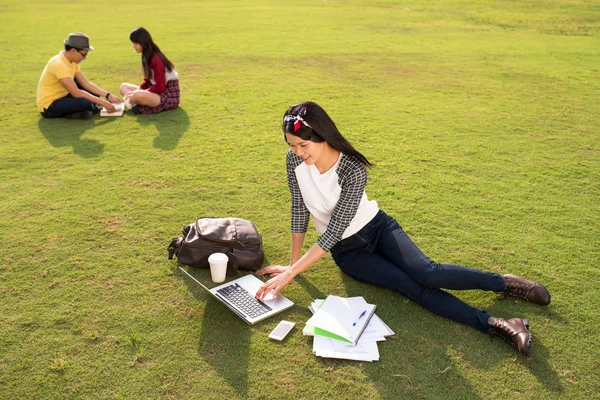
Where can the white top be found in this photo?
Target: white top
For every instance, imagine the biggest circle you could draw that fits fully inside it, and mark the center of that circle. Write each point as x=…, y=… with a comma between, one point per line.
x=169, y=76
x=321, y=194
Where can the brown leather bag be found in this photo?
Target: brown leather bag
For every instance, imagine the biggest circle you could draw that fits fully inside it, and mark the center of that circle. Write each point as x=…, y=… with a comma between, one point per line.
x=236, y=237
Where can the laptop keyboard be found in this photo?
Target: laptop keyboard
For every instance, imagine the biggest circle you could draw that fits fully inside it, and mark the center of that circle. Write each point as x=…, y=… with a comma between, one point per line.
x=243, y=300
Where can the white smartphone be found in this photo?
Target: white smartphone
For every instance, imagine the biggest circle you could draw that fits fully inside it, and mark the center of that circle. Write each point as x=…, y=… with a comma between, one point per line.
x=281, y=330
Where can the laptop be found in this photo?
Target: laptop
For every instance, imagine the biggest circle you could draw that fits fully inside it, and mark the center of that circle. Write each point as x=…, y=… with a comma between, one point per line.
x=238, y=296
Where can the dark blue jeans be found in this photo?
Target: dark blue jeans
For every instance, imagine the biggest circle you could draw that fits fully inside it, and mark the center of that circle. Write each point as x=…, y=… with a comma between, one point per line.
x=382, y=254
x=68, y=105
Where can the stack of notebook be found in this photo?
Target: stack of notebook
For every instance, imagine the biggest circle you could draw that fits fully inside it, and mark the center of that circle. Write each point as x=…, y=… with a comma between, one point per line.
x=345, y=327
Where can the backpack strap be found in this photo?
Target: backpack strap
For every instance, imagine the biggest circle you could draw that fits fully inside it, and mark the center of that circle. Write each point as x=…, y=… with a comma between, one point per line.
x=233, y=264
x=173, y=246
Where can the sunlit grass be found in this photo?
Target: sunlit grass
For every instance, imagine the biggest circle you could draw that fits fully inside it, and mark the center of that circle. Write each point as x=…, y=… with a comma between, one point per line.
x=481, y=117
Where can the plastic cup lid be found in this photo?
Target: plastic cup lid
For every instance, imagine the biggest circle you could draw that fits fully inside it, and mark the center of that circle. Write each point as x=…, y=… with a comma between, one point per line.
x=218, y=257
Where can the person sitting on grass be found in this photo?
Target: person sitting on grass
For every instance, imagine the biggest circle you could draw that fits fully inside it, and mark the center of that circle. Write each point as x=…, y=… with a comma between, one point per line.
x=64, y=92
x=327, y=178
x=160, y=89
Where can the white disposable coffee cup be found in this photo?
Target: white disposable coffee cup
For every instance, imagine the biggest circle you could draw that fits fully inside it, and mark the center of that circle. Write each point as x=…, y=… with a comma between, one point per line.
x=218, y=266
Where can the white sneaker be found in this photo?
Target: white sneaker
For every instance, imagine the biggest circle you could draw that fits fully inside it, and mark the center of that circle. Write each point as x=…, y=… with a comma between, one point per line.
x=128, y=104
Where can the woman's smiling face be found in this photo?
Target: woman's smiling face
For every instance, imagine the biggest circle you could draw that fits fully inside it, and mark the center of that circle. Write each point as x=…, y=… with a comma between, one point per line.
x=309, y=151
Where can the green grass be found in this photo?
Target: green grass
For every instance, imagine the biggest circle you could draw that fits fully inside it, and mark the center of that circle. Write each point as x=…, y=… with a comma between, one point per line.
x=482, y=118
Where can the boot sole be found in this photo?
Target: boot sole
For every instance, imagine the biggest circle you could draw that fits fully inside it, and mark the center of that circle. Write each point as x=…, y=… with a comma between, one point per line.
x=527, y=349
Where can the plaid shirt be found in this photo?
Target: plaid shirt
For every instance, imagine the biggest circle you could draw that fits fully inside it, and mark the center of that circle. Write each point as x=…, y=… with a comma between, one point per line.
x=352, y=178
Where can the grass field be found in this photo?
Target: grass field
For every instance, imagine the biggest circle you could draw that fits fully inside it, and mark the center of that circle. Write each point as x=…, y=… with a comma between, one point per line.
x=483, y=120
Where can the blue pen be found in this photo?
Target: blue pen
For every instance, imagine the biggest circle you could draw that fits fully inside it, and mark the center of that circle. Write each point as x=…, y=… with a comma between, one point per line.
x=360, y=316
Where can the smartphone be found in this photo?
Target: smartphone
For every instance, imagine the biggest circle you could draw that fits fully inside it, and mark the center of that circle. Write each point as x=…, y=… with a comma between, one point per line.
x=281, y=330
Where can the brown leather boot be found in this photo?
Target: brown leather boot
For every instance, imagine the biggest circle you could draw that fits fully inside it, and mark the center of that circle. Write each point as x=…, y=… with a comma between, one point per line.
x=515, y=331
x=525, y=289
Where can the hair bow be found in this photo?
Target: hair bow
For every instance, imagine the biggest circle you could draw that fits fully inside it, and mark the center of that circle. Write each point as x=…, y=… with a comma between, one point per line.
x=298, y=120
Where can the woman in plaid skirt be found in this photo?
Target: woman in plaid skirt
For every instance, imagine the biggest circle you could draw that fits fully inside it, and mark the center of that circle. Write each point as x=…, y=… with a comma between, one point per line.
x=327, y=178
x=160, y=89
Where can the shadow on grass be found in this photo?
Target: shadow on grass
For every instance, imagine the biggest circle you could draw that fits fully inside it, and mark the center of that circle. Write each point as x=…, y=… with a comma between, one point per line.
x=171, y=126
x=435, y=350
x=425, y=368
x=61, y=132
x=224, y=339
x=538, y=363
x=310, y=288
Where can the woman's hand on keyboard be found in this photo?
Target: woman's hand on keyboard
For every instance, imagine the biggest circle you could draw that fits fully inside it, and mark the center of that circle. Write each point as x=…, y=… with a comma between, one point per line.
x=276, y=283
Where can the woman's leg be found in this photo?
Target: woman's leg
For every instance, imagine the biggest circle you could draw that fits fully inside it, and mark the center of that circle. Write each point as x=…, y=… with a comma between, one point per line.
x=374, y=269
x=127, y=87
x=168, y=100
x=395, y=245
x=357, y=256
x=145, y=98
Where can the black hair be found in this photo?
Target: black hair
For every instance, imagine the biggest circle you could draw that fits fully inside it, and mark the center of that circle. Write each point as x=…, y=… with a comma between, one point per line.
x=67, y=47
x=142, y=37
x=322, y=129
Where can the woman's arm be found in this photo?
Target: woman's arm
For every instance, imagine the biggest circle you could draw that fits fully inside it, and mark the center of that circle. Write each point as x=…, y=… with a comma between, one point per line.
x=297, y=242
x=353, y=180
x=274, y=270
x=158, y=69
x=146, y=84
x=314, y=254
x=353, y=185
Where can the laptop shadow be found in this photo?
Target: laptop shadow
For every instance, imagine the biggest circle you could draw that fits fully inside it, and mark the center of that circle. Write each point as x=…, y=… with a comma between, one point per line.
x=224, y=339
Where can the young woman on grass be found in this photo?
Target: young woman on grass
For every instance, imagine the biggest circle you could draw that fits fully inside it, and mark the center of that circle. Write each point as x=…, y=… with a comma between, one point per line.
x=160, y=89
x=327, y=179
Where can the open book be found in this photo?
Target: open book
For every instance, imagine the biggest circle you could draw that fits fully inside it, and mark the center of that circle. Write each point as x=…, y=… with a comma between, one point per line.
x=341, y=319
x=119, y=108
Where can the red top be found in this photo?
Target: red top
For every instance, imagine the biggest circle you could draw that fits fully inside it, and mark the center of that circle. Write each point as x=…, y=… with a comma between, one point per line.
x=158, y=71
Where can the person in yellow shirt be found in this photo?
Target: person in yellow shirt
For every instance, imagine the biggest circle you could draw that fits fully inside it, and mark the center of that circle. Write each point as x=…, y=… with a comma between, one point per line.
x=64, y=92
